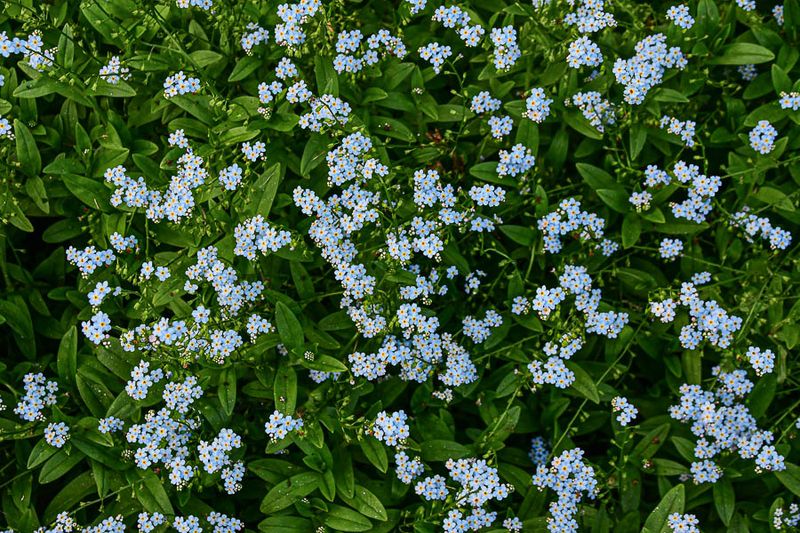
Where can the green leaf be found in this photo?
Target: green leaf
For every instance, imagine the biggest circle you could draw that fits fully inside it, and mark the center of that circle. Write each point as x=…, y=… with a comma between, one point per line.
x=40, y=453
x=285, y=524
x=204, y=58
x=519, y=234
x=773, y=196
x=790, y=478
x=336, y=321
x=236, y=135
x=264, y=189
x=226, y=391
x=90, y=191
x=393, y=128
x=781, y=81
x=583, y=383
x=59, y=464
x=374, y=452
x=343, y=519
x=285, y=388
x=724, y=499
x=442, y=450
x=289, y=491
x=373, y=94
x=343, y=472
x=484, y=171
x=313, y=154
x=30, y=161
x=743, y=54
x=596, y=177
x=631, y=229
x=152, y=495
x=671, y=96
x=616, y=199
x=18, y=317
x=325, y=363
x=36, y=88
x=651, y=442
x=366, y=503
x=327, y=79
x=672, y=502
x=73, y=493
x=244, y=67
x=289, y=328
x=67, y=360
x=118, y=90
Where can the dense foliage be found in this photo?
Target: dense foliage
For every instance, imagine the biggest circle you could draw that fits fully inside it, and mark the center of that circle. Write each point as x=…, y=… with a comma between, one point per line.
x=358, y=265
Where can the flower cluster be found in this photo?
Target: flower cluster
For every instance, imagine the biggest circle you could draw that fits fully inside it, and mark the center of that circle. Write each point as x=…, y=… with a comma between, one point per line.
x=256, y=36
x=114, y=71
x=515, y=162
x=571, y=479
x=435, y=54
x=142, y=378
x=163, y=438
x=790, y=101
x=538, y=105
x=278, y=425
x=554, y=371
x=583, y=52
x=89, y=259
x=762, y=137
x=722, y=423
x=625, y=410
x=31, y=48
x=215, y=457
x=290, y=33
x=754, y=225
x=501, y=126
x=747, y=72
x=670, y=248
x=484, y=103
x=570, y=219
x=96, y=329
x=596, y=109
x=679, y=15
x=702, y=189
x=455, y=17
x=506, y=50
x=763, y=362
x=39, y=393
x=590, y=17
x=326, y=111
x=407, y=469
x=179, y=83
x=257, y=235
x=56, y=434
x=709, y=321
x=205, y=5
x=479, y=483
x=6, y=130
x=391, y=428
x=349, y=43
x=174, y=204
x=480, y=329
x=686, y=523
x=646, y=69
x=783, y=519
x=539, y=451
x=110, y=424
x=685, y=129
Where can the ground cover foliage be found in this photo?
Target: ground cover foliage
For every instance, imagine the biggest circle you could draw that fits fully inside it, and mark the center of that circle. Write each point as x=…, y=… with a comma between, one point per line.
x=399, y=266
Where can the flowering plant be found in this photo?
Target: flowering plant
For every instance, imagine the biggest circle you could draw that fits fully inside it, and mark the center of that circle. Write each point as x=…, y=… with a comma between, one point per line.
x=358, y=265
